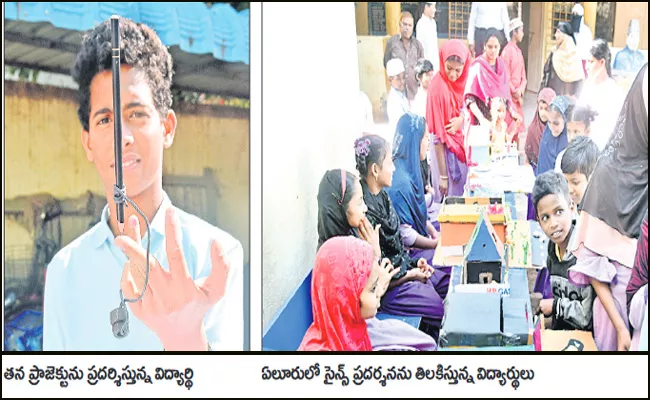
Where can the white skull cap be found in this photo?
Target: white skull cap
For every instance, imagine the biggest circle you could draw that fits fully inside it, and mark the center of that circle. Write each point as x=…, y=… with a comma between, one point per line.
x=394, y=67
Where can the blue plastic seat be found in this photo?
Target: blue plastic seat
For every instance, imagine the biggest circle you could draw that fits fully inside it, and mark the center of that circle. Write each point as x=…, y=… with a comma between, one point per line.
x=227, y=33
x=28, y=11
x=287, y=328
x=75, y=16
x=11, y=10
x=244, y=17
x=194, y=22
x=128, y=10
x=161, y=17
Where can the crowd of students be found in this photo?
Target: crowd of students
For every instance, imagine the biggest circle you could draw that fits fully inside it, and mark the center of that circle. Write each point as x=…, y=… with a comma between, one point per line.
x=587, y=145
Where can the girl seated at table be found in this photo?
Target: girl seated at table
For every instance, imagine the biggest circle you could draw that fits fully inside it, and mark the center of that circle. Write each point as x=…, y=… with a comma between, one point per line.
x=406, y=191
x=346, y=287
x=342, y=212
x=410, y=292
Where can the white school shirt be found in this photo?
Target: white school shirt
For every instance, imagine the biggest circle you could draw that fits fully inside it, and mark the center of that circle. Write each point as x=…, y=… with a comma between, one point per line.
x=427, y=34
x=419, y=103
x=558, y=162
x=396, y=105
x=584, y=40
x=83, y=282
x=487, y=15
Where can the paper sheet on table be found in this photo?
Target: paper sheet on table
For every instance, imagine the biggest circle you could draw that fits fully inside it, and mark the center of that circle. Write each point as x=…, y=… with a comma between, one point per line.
x=448, y=256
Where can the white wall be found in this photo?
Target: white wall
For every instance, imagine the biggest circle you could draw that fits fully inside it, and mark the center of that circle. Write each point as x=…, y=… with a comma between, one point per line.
x=309, y=92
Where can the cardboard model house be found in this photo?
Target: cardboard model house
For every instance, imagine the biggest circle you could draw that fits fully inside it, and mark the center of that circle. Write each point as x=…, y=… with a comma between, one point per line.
x=484, y=254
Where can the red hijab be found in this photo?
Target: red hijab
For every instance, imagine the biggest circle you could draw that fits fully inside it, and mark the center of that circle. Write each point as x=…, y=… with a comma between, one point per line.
x=445, y=98
x=342, y=268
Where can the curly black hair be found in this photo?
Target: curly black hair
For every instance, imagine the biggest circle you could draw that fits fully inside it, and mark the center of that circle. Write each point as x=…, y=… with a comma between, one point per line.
x=140, y=48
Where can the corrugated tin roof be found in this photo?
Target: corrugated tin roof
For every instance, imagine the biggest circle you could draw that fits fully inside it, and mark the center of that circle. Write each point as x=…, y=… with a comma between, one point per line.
x=43, y=36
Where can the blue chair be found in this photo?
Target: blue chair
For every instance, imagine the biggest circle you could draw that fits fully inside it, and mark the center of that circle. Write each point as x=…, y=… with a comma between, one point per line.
x=288, y=326
x=195, y=26
x=29, y=11
x=244, y=17
x=162, y=18
x=128, y=10
x=227, y=34
x=74, y=16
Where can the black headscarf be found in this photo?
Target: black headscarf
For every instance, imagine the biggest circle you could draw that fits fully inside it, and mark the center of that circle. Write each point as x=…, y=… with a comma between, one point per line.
x=333, y=199
x=617, y=192
x=575, y=22
x=381, y=211
x=566, y=28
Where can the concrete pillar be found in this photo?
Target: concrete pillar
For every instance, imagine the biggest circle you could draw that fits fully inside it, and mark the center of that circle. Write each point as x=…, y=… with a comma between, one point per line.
x=393, y=10
x=361, y=16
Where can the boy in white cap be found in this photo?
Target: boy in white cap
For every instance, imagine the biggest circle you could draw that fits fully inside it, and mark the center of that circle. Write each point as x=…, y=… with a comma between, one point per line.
x=396, y=104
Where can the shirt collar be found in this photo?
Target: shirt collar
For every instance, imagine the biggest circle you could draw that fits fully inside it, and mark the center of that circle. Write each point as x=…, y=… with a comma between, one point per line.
x=402, y=94
x=101, y=232
x=567, y=253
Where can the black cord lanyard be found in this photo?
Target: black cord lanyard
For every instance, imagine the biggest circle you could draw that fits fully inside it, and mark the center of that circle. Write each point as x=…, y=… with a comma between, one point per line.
x=120, y=316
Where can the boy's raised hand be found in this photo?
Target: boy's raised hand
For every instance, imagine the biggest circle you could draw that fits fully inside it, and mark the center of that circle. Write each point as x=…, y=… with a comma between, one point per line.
x=174, y=305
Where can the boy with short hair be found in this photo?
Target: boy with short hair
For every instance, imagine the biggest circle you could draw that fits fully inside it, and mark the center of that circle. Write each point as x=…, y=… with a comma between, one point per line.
x=193, y=300
x=397, y=103
x=570, y=307
x=578, y=163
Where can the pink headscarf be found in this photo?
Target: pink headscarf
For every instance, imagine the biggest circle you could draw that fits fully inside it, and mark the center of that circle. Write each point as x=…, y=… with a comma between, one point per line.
x=487, y=82
x=343, y=266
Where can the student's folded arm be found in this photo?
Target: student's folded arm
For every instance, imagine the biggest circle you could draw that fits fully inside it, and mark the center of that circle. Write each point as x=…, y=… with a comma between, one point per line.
x=224, y=322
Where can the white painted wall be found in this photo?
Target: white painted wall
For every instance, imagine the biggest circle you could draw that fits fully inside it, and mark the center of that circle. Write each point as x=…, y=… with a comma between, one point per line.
x=310, y=89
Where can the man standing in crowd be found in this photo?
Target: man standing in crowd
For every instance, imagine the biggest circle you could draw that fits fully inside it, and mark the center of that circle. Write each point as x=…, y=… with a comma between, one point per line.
x=427, y=34
x=406, y=48
x=514, y=60
x=482, y=17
